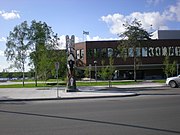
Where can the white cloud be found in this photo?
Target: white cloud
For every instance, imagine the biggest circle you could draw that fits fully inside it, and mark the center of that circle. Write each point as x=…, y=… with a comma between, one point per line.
x=115, y=22
x=1, y=53
x=97, y=38
x=10, y=15
x=4, y=65
x=2, y=39
x=174, y=11
x=150, y=20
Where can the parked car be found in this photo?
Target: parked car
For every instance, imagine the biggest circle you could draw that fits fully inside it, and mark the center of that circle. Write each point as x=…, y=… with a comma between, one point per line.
x=173, y=82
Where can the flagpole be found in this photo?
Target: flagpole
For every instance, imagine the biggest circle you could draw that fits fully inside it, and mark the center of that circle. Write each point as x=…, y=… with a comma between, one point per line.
x=85, y=33
x=83, y=36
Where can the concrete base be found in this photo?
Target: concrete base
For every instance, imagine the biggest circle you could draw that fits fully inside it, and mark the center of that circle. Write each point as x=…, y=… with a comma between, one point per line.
x=71, y=90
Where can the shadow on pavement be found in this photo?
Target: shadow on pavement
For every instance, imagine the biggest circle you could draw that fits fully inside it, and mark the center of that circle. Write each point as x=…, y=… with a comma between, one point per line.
x=155, y=91
x=90, y=120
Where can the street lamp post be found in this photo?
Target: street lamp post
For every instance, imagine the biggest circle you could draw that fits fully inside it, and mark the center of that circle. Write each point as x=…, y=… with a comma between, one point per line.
x=95, y=66
x=57, y=68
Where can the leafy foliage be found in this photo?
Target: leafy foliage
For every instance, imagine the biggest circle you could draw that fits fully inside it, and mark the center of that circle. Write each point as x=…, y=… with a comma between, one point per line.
x=107, y=71
x=17, y=46
x=132, y=36
x=38, y=43
x=170, y=68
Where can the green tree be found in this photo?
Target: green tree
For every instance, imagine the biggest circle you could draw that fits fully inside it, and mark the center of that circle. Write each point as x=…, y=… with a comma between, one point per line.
x=37, y=42
x=111, y=68
x=169, y=68
x=87, y=72
x=133, y=34
x=103, y=73
x=43, y=42
x=106, y=71
x=173, y=68
x=61, y=57
x=17, y=47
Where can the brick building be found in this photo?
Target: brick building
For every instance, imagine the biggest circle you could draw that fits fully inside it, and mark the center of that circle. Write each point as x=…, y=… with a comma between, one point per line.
x=151, y=55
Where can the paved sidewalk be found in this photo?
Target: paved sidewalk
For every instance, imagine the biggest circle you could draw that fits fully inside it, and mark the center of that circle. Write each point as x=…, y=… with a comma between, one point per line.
x=30, y=94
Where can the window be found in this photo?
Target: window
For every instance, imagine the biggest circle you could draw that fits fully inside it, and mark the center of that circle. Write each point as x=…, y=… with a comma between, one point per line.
x=138, y=51
x=78, y=54
x=124, y=52
x=177, y=51
x=171, y=51
x=130, y=52
x=95, y=53
x=116, y=53
x=98, y=52
x=144, y=52
x=82, y=54
x=110, y=52
x=164, y=51
x=103, y=53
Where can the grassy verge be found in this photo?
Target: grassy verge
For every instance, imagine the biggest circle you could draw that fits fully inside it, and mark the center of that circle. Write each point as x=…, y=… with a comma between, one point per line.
x=102, y=83
x=159, y=81
x=105, y=83
x=29, y=85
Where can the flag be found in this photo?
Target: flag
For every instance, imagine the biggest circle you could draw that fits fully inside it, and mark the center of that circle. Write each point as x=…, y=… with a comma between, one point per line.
x=85, y=33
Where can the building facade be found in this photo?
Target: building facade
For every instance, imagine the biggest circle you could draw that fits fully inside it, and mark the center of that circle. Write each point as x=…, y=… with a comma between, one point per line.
x=166, y=34
x=150, y=56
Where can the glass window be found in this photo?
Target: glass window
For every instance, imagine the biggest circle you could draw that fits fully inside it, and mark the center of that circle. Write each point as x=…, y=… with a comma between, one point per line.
x=164, y=51
x=110, y=52
x=98, y=51
x=78, y=54
x=82, y=54
x=144, y=52
x=95, y=53
x=103, y=53
x=116, y=53
x=171, y=51
x=138, y=51
x=124, y=52
x=130, y=52
x=177, y=51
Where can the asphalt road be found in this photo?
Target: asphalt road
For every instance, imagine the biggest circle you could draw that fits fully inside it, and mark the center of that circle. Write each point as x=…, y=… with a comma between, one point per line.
x=153, y=112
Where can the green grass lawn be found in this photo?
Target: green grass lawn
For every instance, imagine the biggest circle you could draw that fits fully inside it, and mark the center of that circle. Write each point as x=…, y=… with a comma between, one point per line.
x=159, y=81
x=78, y=83
x=105, y=83
x=29, y=85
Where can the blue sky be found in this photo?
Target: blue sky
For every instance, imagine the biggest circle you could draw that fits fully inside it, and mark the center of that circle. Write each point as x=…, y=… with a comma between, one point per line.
x=102, y=18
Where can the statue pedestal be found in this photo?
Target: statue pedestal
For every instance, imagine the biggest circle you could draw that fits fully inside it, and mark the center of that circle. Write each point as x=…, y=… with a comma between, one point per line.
x=71, y=90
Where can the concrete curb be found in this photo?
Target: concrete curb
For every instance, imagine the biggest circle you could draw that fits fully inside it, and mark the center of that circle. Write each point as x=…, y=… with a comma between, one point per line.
x=69, y=98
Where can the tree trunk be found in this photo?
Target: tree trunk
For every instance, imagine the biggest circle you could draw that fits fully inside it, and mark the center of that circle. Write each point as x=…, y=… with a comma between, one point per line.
x=23, y=75
x=36, y=76
x=23, y=79
x=135, y=64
